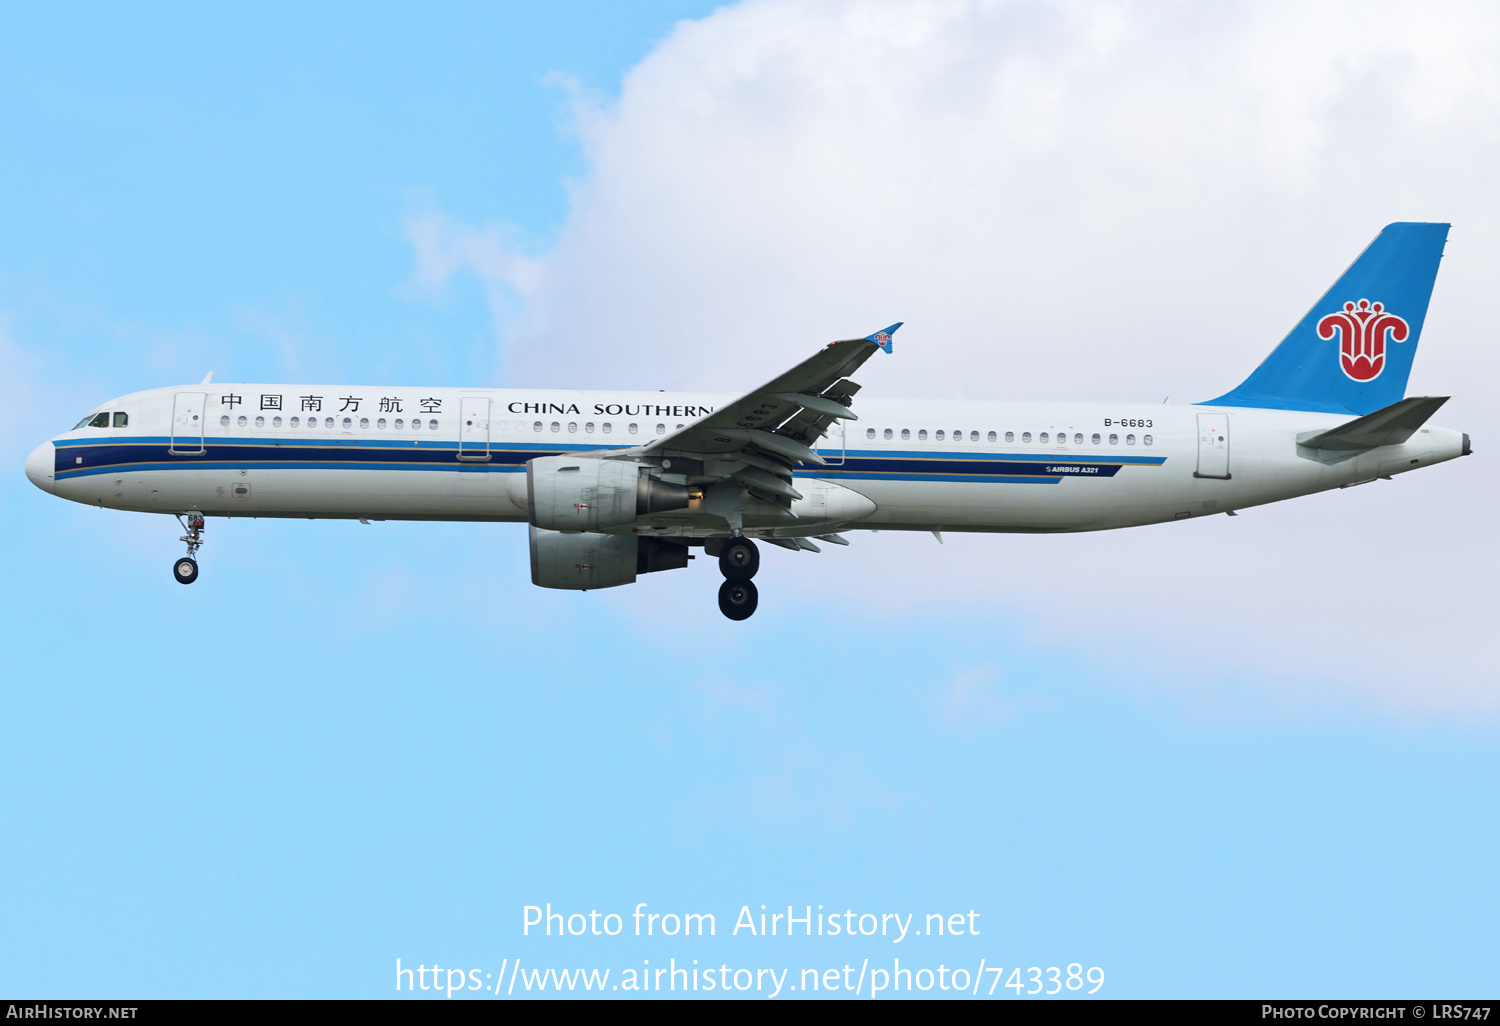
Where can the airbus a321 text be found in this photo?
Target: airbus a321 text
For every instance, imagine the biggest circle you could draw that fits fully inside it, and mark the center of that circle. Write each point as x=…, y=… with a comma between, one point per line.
x=618, y=484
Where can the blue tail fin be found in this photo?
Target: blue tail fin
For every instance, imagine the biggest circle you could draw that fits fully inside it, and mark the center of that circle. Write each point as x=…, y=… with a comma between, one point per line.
x=1353, y=351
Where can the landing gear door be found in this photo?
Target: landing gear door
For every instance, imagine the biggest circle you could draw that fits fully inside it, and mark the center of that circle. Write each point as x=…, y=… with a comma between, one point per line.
x=1213, y=446
x=187, y=424
x=473, y=429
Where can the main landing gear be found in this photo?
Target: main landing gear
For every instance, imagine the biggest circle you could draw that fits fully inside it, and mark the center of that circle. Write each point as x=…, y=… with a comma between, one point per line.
x=185, y=570
x=738, y=561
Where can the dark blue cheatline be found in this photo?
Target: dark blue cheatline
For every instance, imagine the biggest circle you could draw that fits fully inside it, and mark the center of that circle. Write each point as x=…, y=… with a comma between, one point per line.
x=84, y=457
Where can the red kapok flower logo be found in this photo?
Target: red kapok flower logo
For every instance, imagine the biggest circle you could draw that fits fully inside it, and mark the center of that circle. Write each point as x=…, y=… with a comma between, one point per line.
x=1363, y=329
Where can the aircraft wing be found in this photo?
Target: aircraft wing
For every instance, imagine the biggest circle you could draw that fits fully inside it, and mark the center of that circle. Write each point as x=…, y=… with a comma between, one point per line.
x=762, y=435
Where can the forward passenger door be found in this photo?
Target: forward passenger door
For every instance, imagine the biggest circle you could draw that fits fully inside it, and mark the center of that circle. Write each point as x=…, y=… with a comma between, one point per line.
x=187, y=424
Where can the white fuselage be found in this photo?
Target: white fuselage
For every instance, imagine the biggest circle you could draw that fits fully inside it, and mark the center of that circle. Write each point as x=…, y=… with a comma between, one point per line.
x=923, y=464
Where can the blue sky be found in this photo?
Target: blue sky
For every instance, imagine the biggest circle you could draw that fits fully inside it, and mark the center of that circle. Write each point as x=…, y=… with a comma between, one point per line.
x=1207, y=762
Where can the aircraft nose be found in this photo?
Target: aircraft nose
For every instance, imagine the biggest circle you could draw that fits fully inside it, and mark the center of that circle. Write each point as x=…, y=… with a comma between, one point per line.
x=39, y=466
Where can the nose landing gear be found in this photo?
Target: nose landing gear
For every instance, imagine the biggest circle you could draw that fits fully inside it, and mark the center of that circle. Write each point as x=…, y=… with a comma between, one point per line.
x=739, y=559
x=185, y=570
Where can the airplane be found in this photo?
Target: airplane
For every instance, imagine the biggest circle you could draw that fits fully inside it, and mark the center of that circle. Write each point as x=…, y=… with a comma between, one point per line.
x=617, y=484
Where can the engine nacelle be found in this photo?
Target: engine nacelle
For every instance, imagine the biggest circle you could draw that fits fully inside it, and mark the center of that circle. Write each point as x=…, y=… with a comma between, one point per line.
x=573, y=493
x=579, y=561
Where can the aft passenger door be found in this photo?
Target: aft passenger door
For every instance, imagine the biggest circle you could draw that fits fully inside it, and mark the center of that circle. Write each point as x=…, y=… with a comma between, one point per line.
x=1213, y=446
x=187, y=424
x=474, y=429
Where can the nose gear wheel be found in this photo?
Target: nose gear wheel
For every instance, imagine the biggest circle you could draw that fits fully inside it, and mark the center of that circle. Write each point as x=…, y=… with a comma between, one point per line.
x=185, y=570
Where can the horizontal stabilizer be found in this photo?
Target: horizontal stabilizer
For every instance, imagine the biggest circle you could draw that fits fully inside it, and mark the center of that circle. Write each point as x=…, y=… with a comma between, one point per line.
x=1390, y=425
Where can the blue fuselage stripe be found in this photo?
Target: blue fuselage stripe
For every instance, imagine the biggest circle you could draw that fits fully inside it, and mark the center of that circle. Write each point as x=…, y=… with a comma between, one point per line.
x=86, y=457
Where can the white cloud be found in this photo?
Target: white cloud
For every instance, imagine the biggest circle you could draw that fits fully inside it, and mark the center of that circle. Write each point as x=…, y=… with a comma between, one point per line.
x=973, y=699
x=41, y=401
x=794, y=779
x=489, y=252
x=20, y=430
x=1062, y=200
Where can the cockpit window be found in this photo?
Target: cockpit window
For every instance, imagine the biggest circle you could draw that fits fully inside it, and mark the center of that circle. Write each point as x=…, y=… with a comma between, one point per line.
x=100, y=420
x=84, y=422
x=122, y=420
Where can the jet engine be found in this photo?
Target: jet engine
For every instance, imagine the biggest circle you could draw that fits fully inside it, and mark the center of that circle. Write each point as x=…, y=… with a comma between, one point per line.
x=572, y=493
x=583, y=561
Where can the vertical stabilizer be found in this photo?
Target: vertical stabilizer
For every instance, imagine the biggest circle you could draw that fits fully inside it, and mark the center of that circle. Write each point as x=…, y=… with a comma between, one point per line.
x=1353, y=351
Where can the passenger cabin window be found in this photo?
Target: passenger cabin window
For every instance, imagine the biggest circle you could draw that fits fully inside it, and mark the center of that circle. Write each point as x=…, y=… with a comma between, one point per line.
x=260, y=422
x=869, y=432
x=973, y=436
x=992, y=436
x=608, y=427
x=379, y=424
x=242, y=422
x=634, y=428
x=432, y=425
x=906, y=434
x=940, y=435
x=1010, y=436
x=1114, y=439
x=535, y=427
x=1096, y=439
x=922, y=435
x=1026, y=437
x=1130, y=439
x=276, y=422
x=887, y=434
x=224, y=420
x=1078, y=439
x=295, y=422
x=661, y=429
x=1042, y=438
x=1146, y=439
x=122, y=420
x=328, y=422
